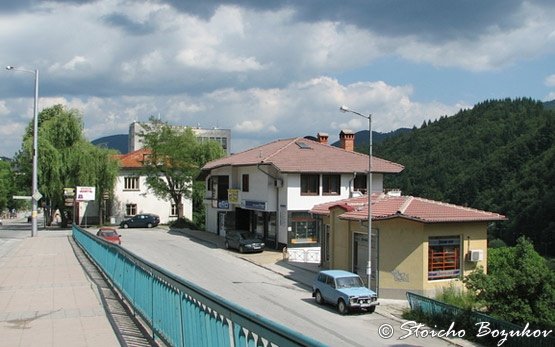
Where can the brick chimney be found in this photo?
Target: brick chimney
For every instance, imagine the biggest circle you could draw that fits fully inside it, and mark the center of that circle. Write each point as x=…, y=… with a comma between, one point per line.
x=347, y=139
x=323, y=138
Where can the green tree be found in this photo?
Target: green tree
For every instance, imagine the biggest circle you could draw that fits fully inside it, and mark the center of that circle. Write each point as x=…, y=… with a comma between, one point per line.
x=175, y=161
x=6, y=184
x=65, y=158
x=519, y=286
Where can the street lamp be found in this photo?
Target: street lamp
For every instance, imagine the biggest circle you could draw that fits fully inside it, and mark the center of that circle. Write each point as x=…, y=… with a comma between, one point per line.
x=369, y=189
x=35, y=194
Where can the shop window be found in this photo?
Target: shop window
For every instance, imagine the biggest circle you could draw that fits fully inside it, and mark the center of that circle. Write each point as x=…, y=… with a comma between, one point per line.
x=444, y=257
x=131, y=183
x=304, y=229
x=130, y=209
x=331, y=184
x=310, y=184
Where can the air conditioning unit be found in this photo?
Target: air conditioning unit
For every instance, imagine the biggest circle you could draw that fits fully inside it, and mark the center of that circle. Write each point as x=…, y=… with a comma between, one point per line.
x=476, y=255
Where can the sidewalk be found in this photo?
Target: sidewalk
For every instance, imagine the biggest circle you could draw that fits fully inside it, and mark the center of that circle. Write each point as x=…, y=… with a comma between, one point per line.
x=46, y=299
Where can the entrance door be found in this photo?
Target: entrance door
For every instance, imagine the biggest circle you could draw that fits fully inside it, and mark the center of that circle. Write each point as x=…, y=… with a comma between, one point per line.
x=360, y=258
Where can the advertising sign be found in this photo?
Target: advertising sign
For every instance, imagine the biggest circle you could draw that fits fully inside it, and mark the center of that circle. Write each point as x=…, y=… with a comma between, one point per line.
x=85, y=193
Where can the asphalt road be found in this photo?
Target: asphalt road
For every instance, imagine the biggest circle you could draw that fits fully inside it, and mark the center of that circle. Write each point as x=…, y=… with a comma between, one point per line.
x=265, y=292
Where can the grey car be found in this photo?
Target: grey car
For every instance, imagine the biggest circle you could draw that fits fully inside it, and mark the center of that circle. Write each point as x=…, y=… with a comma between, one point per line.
x=243, y=241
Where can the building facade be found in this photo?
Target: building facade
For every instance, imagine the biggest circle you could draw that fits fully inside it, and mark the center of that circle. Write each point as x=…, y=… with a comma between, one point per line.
x=271, y=188
x=132, y=196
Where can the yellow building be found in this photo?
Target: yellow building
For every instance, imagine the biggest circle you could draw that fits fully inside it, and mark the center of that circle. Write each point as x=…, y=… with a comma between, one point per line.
x=418, y=245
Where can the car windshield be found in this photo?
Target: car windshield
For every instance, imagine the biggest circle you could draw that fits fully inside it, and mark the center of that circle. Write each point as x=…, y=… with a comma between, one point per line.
x=248, y=236
x=349, y=282
x=108, y=233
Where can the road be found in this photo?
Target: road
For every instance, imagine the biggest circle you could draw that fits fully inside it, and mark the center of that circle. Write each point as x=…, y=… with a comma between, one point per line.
x=264, y=292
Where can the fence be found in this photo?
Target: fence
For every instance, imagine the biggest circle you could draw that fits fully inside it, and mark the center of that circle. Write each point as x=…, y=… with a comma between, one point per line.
x=179, y=312
x=482, y=328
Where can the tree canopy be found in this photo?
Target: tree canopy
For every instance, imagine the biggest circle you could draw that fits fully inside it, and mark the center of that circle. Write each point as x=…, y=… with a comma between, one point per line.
x=519, y=287
x=175, y=161
x=498, y=156
x=65, y=158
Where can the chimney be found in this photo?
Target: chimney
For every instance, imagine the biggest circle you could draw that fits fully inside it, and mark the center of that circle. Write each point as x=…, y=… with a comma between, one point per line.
x=323, y=138
x=347, y=138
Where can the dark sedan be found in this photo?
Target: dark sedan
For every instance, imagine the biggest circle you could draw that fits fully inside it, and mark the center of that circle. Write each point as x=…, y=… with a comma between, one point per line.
x=243, y=241
x=143, y=220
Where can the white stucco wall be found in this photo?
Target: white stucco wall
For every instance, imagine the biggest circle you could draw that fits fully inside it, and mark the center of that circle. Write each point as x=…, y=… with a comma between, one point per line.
x=145, y=200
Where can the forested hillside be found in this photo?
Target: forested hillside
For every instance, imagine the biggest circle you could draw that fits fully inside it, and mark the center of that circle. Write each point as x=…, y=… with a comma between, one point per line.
x=498, y=156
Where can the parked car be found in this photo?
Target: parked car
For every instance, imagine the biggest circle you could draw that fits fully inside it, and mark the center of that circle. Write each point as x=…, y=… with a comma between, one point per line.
x=243, y=241
x=109, y=234
x=143, y=220
x=345, y=290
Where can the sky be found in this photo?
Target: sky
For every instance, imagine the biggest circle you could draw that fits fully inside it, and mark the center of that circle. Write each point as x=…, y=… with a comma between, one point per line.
x=269, y=70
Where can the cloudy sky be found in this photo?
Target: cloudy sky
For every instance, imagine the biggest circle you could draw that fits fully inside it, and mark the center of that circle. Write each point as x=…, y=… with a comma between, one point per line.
x=269, y=69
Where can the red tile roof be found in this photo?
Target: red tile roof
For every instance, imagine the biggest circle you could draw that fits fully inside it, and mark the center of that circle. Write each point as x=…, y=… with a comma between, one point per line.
x=408, y=207
x=132, y=160
x=304, y=155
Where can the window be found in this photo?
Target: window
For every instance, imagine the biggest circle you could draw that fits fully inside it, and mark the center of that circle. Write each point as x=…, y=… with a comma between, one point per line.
x=331, y=184
x=444, y=257
x=131, y=183
x=130, y=209
x=310, y=184
x=304, y=229
x=361, y=182
x=245, y=185
x=173, y=211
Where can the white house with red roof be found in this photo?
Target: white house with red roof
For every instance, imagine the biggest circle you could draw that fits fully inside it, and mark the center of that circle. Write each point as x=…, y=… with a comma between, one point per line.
x=270, y=189
x=132, y=195
x=418, y=245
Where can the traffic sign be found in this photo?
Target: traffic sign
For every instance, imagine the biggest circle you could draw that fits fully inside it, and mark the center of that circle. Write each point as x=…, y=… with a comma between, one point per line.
x=37, y=195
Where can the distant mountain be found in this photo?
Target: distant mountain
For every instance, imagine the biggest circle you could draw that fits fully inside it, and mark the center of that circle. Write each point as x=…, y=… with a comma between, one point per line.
x=361, y=137
x=549, y=105
x=117, y=142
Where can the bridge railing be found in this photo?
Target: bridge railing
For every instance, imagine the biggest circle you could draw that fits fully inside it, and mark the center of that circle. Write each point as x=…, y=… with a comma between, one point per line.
x=179, y=312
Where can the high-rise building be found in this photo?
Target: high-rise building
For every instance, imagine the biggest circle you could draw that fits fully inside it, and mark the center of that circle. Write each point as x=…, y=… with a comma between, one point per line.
x=222, y=136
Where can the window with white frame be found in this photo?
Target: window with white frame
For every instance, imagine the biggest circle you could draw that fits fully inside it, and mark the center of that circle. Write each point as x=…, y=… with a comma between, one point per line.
x=131, y=183
x=173, y=212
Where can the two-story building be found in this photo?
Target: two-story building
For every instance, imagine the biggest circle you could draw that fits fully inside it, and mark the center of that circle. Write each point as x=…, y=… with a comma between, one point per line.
x=271, y=188
x=132, y=196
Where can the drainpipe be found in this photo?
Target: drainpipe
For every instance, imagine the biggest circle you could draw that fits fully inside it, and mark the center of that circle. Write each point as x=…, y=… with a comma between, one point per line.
x=351, y=184
x=277, y=202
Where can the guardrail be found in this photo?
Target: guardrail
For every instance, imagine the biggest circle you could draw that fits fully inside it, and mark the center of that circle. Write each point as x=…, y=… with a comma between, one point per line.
x=177, y=311
x=480, y=327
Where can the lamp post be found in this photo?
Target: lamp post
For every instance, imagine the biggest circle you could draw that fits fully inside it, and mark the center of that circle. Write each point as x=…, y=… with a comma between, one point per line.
x=369, y=189
x=35, y=194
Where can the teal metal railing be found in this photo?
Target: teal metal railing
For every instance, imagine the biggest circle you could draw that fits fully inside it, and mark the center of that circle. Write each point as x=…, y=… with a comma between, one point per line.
x=177, y=311
x=479, y=327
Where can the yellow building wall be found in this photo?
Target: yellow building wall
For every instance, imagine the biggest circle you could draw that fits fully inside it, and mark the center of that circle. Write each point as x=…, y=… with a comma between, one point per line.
x=341, y=252
x=403, y=252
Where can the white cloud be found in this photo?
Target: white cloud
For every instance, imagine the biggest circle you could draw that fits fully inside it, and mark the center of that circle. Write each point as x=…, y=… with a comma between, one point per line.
x=550, y=81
